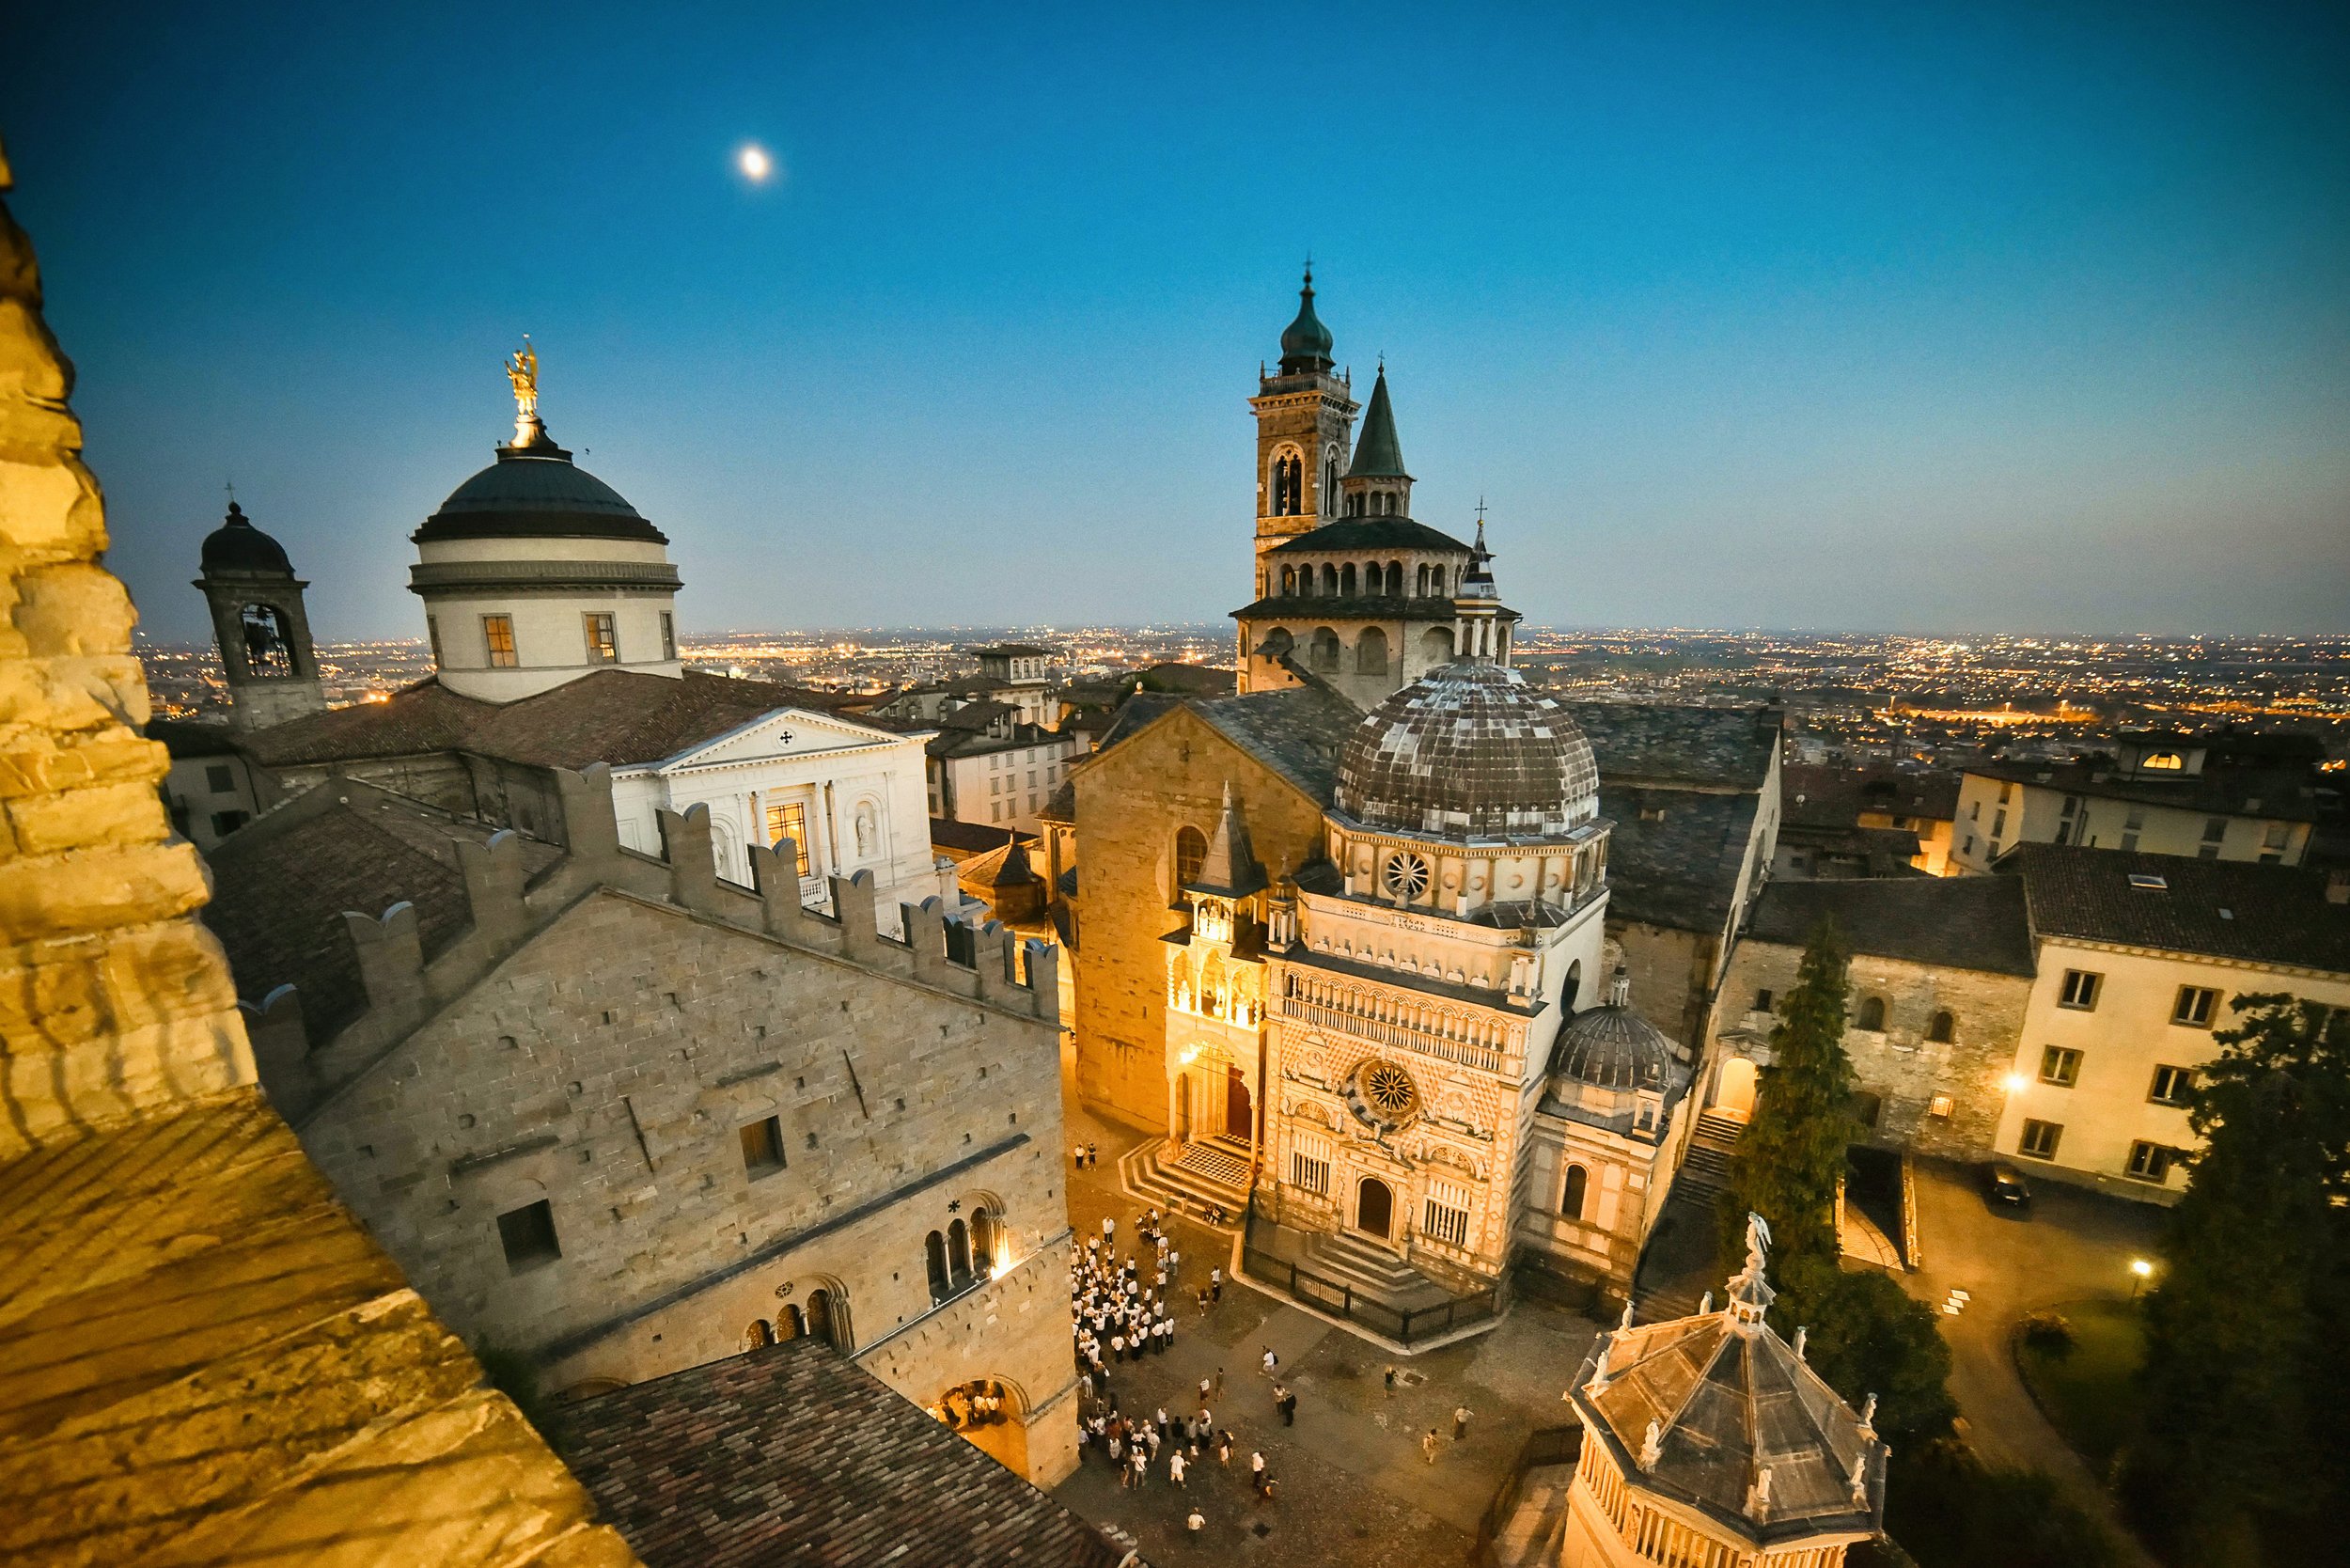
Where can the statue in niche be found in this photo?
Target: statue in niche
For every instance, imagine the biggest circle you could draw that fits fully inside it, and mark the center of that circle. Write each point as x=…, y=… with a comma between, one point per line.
x=868, y=831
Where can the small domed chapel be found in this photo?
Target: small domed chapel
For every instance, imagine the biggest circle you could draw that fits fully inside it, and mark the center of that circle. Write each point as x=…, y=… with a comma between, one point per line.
x=1377, y=996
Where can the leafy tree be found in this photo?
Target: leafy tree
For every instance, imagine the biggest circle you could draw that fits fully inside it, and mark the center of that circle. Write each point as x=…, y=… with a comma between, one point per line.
x=1791, y=1155
x=1868, y=1336
x=2237, y=1462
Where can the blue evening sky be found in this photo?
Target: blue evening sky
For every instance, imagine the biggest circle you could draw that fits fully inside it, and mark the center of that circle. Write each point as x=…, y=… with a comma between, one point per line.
x=1915, y=317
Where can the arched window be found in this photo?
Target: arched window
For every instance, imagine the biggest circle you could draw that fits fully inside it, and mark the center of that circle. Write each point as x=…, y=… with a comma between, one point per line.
x=984, y=1233
x=1329, y=580
x=1436, y=645
x=1370, y=652
x=1395, y=579
x=1943, y=1029
x=1325, y=651
x=794, y=1323
x=1346, y=581
x=1573, y=987
x=267, y=651
x=1288, y=580
x=1191, y=852
x=934, y=1260
x=1329, y=478
x=1578, y=1184
x=1872, y=1017
x=1277, y=642
x=959, y=1253
x=1419, y=580
x=823, y=1321
x=759, y=1333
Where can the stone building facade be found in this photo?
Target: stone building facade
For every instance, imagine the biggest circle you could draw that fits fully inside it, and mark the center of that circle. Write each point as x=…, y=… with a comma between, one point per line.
x=1941, y=970
x=625, y=1117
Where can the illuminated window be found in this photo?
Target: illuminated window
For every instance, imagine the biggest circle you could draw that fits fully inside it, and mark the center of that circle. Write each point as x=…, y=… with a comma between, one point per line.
x=789, y=820
x=2059, y=1066
x=2172, y=1085
x=2040, y=1139
x=2168, y=760
x=498, y=636
x=2193, y=1009
x=603, y=643
x=1942, y=1105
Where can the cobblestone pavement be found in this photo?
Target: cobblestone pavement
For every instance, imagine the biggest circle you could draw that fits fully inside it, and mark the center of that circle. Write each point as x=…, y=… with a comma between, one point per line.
x=1352, y=1484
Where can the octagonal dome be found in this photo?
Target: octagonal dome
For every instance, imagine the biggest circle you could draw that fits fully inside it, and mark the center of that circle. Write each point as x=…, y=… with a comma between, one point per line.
x=1469, y=751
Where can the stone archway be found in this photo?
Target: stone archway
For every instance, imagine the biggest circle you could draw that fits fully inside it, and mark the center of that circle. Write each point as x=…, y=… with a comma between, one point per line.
x=1374, y=1207
x=1733, y=1088
x=991, y=1415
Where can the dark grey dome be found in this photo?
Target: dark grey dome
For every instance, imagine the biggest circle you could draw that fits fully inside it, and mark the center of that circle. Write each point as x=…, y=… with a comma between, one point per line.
x=237, y=546
x=1614, y=1047
x=1469, y=751
x=1306, y=342
x=536, y=491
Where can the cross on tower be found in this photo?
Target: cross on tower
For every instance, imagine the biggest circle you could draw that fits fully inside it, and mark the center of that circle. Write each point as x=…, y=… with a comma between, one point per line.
x=1481, y=511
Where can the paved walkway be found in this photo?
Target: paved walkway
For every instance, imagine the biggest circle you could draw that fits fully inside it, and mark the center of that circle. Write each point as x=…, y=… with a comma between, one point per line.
x=2076, y=1246
x=1354, y=1485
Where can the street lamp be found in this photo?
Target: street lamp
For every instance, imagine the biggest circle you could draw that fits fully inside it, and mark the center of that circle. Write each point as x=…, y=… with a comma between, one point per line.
x=2015, y=1082
x=2141, y=1271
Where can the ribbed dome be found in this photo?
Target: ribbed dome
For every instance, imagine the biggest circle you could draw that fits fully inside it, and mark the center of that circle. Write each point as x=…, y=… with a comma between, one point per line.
x=1469, y=751
x=536, y=491
x=237, y=546
x=1614, y=1047
x=1305, y=343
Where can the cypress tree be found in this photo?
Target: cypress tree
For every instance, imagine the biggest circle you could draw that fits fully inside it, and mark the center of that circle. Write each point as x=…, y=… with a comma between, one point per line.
x=1791, y=1155
x=2237, y=1461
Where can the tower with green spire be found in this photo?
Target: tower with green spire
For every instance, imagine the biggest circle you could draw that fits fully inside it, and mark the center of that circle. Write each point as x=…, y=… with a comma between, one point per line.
x=1305, y=417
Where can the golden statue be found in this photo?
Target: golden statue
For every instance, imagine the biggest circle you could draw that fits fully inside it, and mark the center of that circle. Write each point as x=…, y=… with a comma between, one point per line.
x=521, y=368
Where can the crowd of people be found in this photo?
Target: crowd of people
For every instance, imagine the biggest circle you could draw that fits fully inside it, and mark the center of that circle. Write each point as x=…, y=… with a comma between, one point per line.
x=1122, y=1314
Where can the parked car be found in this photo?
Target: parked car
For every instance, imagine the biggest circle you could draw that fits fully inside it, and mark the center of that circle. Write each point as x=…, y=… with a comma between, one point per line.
x=2005, y=1187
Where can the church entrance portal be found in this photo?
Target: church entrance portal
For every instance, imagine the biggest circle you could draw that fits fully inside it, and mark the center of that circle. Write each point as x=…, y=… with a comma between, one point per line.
x=1239, y=1117
x=1213, y=1101
x=1374, y=1207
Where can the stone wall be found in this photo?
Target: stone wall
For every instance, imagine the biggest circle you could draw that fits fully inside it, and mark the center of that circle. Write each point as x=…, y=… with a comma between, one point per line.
x=1131, y=803
x=1899, y=1064
x=202, y=1356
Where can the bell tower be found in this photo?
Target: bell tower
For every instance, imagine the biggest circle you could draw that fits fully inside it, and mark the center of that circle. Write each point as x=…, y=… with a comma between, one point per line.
x=261, y=625
x=1305, y=417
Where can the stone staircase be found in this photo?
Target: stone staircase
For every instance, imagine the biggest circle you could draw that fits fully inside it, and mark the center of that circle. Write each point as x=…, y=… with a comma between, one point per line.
x=1212, y=1171
x=1372, y=1271
x=1697, y=1188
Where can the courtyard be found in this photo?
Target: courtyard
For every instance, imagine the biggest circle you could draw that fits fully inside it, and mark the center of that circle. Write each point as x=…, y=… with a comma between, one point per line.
x=1352, y=1478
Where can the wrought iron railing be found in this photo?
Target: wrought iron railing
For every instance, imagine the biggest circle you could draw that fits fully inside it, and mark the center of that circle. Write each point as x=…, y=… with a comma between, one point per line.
x=1403, y=1324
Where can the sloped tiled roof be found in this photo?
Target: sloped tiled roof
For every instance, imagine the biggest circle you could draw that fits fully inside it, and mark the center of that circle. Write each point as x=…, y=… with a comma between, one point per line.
x=950, y=837
x=2217, y=908
x=1645, y=742
x=1972, y=922
x=613, y=716
x=1681, y=869
x=1298, y=734
x=792, y=1455
x=281, y=884
x=1372, y=533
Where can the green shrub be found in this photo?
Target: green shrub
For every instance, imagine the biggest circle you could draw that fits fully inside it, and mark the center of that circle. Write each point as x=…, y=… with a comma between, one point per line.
x=1948, y=1510
x=2049, y=1332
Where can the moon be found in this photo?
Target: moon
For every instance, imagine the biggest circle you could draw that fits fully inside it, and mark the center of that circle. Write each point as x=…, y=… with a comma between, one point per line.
x=756, y=162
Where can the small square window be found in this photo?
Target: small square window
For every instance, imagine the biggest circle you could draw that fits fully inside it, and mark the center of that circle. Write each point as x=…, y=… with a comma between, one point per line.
x=226, y=823
x=2194, y=1006
x=2215, y=830
x=2151, y=1162
x=1942, y=1105
x=2040, y=1139
x=762, y=1146
x=528, y=1235
x=2172, y=1085
x=220, y=778
x=2080, y=989
x=2059, y=1066
x=1763, y=1000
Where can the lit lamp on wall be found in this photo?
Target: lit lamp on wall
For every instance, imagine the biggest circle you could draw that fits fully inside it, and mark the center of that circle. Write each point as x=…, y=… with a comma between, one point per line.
x=2015, y=1082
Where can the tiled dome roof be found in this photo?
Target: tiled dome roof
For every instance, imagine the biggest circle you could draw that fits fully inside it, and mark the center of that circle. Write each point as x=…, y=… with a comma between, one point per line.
x=1614, y=1047
x=1469, y=751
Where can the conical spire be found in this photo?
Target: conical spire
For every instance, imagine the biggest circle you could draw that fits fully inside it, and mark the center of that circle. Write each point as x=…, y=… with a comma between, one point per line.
x=1305, y=346
x=1378, y=455
x=1230, y=869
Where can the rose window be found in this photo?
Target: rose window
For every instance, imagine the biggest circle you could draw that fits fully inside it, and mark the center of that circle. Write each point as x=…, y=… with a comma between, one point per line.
x=1383, y=1095
x=1407, y=876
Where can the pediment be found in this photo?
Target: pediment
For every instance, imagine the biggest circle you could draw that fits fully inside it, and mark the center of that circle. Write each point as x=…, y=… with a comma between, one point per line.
x=785, y=732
